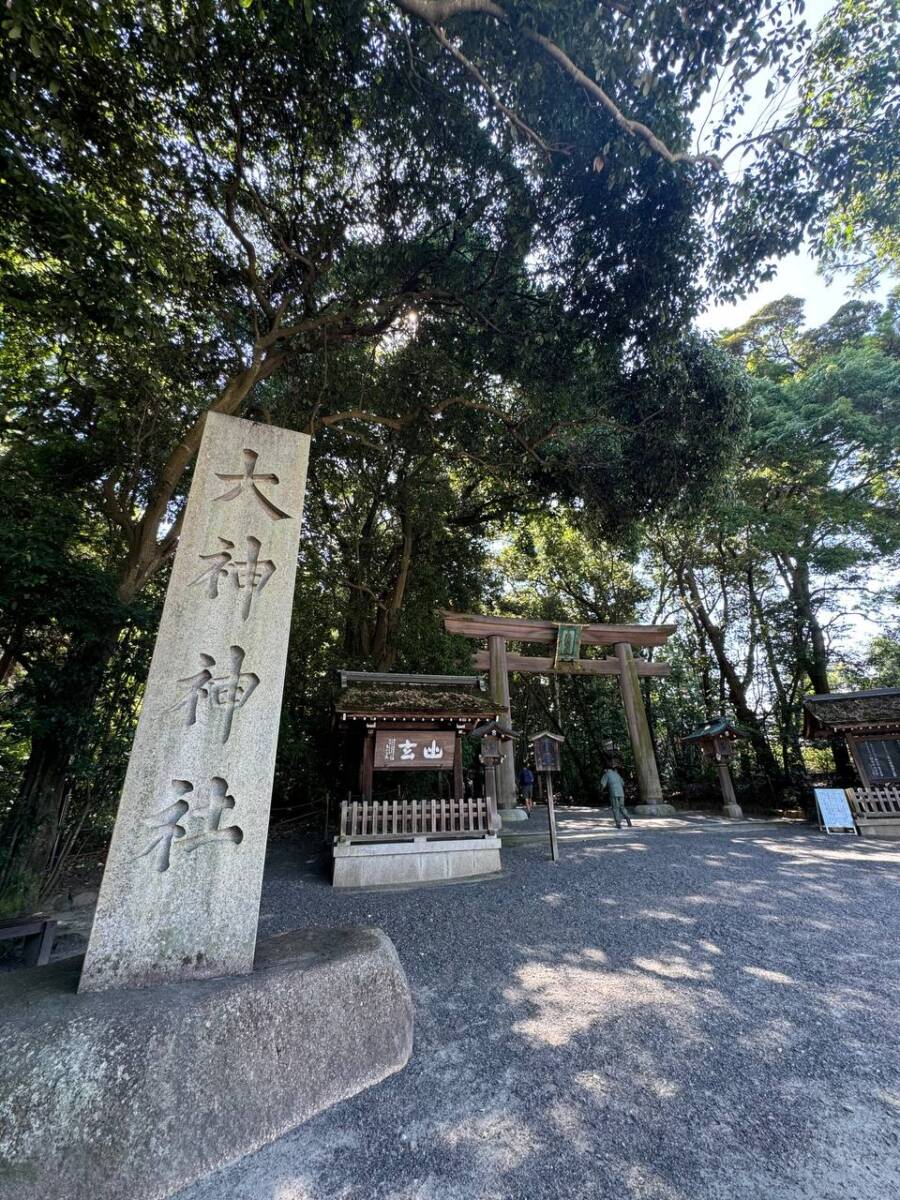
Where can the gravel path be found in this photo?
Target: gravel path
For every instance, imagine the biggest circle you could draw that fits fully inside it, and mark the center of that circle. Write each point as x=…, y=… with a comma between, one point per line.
x=704, y=1012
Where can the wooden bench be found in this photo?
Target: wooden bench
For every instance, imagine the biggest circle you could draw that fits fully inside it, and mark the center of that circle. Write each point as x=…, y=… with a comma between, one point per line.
x=877, y=811
x=38, y=933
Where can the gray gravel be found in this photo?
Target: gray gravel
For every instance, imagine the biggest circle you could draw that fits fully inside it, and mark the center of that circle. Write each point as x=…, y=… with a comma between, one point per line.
x=706, y=1011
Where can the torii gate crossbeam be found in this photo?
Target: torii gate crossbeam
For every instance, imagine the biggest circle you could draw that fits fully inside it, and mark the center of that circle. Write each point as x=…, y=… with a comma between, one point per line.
x=499, y=630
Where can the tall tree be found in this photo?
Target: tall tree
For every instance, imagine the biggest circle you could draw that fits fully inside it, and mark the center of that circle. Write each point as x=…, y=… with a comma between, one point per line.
x=198, y=201
x=807, y=528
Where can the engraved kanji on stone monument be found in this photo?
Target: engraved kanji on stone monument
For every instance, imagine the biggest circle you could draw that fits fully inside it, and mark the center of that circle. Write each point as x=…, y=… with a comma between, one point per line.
x=249, y=476
x=191, y=821
x=180, y=895
x=222, y=695
x=249, y=575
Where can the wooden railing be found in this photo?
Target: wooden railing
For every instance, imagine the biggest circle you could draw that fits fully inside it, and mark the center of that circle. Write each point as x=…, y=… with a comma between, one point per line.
x=875, y=803
x=395, y=820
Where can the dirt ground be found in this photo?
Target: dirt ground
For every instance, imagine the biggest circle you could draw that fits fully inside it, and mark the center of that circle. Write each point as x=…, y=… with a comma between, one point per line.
x=697, y=1009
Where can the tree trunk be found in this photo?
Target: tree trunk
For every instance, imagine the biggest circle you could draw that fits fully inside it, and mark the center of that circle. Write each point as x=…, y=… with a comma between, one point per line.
x=384, y=642
x=10, y=653
x=814, y=655
x=733, y=682
x=31, y=828
x=791, y=755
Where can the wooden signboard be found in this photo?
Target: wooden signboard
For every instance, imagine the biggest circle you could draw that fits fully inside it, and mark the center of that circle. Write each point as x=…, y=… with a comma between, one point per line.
x=546, y=754
x=568, y=644
x=834, y=811
x=414, y=750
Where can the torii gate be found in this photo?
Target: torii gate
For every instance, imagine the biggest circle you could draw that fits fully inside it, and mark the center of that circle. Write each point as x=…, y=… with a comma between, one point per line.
x=495, y=660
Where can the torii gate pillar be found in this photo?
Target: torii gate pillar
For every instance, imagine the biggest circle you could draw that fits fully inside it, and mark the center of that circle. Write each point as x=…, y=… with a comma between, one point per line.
x=499, y=685
x=623, y=664
x=652, y=804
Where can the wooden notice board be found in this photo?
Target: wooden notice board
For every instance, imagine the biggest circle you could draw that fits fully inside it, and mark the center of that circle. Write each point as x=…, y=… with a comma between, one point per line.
x=568, y=643
x=546, y=754
x=414, y=750
x=834, y=811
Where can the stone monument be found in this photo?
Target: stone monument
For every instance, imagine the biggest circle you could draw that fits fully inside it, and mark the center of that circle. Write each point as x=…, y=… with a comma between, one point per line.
x=181, y=890
x=107, y=1093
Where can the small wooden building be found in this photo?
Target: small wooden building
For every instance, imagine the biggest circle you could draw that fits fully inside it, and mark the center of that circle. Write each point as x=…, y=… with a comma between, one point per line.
x=394, y=725
x=869, y=722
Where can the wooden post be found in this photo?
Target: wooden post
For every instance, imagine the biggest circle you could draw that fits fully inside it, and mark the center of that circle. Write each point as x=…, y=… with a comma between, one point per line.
x=732, y=808
x=639, y=733
x=499, y=685
x=457, y=768
x=490, y=773
x=368, y=764
x=551, y=819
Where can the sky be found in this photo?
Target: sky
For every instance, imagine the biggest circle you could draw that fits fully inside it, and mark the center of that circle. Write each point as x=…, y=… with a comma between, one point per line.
x=797, y=274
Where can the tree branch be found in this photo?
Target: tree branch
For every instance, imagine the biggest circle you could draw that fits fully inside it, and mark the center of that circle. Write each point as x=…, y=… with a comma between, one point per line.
x=437, y=12
x=631, y=127
x=514, y=119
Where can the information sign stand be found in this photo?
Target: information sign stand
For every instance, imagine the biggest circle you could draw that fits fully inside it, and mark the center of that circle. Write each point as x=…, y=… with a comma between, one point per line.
x=834, y=811
x=545, y=747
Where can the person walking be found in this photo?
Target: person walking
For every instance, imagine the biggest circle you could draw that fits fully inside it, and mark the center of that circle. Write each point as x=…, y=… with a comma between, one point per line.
x=526, y=783
x=613, y=782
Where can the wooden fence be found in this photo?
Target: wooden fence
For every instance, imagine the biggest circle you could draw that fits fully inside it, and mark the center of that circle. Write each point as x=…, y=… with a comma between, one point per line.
x=395, y=820
x=875, y=802
x=877, y=811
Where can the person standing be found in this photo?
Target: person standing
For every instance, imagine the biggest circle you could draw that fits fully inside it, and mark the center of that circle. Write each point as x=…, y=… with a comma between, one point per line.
x=526, y=783
x=613, y=782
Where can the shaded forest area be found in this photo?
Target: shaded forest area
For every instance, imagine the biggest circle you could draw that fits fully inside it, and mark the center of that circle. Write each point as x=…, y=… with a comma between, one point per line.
x=417, y=232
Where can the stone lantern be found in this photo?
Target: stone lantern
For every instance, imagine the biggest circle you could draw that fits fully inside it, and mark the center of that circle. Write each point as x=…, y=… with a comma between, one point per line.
x=717, y=740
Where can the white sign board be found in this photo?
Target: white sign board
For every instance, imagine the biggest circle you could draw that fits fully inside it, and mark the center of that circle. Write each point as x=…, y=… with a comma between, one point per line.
x=834, y=811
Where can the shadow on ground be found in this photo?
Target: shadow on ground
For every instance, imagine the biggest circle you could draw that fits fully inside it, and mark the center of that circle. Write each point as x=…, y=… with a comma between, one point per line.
x=702, y=1012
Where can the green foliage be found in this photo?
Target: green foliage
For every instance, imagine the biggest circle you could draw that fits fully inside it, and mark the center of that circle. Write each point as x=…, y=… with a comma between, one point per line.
x=850, y=114
x=884, y=661
x=476, y=295
x=807, y=529
x=821, y=160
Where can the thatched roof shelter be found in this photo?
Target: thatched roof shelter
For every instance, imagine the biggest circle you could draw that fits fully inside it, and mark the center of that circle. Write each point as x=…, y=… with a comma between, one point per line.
x=869, y=722
x=876, y=711
x=373, y=694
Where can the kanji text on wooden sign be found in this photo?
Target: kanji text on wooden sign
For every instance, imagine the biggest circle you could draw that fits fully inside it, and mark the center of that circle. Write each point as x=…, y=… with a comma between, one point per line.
x=414, y=750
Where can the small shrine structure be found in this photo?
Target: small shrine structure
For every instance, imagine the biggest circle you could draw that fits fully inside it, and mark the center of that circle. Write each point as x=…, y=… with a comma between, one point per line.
x=717, y=740
x=869, y=723
x=392, y=725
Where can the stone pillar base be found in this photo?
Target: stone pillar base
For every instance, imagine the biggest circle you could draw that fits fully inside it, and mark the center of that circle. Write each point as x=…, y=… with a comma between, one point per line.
x=373, y=864
x=655, y=810
x=733, y=810
x=509, y=816
x=140, y=1092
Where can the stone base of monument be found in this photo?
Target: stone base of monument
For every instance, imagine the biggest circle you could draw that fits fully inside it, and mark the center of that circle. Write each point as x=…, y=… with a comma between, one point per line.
x=509, y=816
x=373, y=864
x=655, y=810
x=732, y=810
x=136, y=1093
